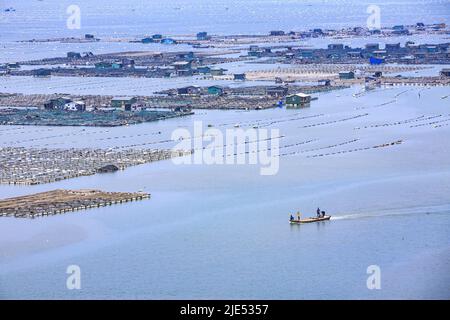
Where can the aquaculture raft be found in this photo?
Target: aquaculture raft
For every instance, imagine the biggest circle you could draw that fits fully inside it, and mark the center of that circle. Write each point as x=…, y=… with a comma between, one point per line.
x=62, y=201
x=30, y=166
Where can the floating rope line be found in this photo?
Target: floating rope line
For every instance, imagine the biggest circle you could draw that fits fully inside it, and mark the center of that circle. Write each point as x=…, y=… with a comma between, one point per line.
x=83, y=133
x=357, y=149
x=399, y=94
x=12, y=129
x=25, y=131
x=159, y=142
x=129, y=136
x=292, y=119
x=430, y=123
x=270, y=120
x=316, y=149
x=377, y=106
x=331, y=146
x=74, y=133
x=269, y=149
x=238, y=144
x=412, y=120
x=335, y=121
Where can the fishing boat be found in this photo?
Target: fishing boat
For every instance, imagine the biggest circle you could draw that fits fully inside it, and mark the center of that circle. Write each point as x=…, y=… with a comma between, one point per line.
x=309, y=220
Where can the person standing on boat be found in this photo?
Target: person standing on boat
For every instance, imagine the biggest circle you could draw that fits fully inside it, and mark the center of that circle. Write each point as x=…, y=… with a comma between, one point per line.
x=318, y=212
x=298, y=215
x=291, y=218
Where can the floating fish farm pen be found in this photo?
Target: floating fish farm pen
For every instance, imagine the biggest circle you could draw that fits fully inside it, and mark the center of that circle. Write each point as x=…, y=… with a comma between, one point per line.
x=31, y=166
x=68, y=118
x=62, y=201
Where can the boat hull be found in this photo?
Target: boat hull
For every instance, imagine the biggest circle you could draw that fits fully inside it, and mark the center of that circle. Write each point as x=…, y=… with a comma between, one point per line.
x=309, y=220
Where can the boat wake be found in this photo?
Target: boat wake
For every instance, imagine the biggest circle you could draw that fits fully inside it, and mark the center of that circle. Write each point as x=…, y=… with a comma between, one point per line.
x=444, y=209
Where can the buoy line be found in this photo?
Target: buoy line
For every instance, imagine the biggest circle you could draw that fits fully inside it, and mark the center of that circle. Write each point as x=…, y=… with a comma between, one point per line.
x=357, y=149
x=334, y=121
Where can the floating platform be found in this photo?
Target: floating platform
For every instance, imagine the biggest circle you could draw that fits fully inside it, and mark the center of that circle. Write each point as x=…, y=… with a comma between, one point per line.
x=62, y=201
x=31, y=166
x=86, y=119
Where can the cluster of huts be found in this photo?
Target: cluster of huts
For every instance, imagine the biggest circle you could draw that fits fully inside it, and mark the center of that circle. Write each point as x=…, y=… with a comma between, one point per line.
x=125, y=103
x=373, y=53
x=273, y=92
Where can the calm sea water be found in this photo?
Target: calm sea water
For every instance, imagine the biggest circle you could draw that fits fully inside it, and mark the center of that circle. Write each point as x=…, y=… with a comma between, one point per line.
x=37, y=19
x=213, y=231
x=222, y=231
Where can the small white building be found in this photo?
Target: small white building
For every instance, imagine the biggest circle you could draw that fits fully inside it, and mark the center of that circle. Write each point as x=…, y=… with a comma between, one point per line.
x=75, y=106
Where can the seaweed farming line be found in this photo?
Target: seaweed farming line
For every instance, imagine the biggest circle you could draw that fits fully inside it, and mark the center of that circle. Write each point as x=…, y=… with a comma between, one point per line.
x=385, y=103
x=221, y=146
x=38, y=139
x=377, y=106
x=270, y=120
x=191, y=138
x=238, y=144
x=295, y=145
x=12, y=129
x=331, y=146
x=74, y=133
x=50, y=144
x=253, y=121
x=335, y=121
x=270, y=149
x=263, y=124
x=83, y=133
x=320, y=148
x=27, y=132
x=161, y=141
x=412, y=120
x=431, y=123
x=357, y=149
x=130, y=136
x=73, y=142
x=291, y=119
x=206, y=147
x=400, y=93
x=364, y=92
